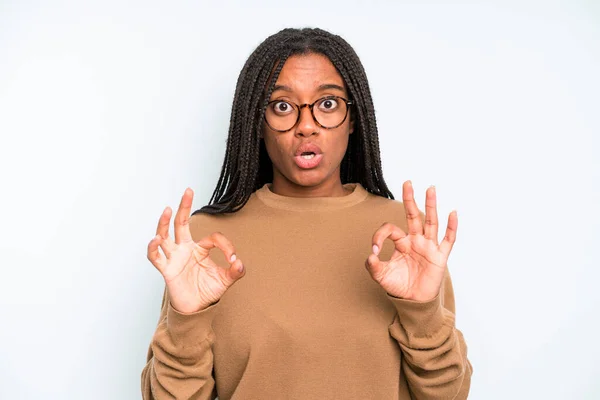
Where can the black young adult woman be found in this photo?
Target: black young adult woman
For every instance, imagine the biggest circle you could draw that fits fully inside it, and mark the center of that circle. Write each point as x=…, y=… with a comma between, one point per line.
x=286, y=308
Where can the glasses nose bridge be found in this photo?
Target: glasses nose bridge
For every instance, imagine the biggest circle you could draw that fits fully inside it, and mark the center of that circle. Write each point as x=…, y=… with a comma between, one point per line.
x=310, y=108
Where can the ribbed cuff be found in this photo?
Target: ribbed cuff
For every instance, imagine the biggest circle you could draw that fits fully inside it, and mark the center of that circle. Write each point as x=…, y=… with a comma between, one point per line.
x=421, y=319
x=183, y=326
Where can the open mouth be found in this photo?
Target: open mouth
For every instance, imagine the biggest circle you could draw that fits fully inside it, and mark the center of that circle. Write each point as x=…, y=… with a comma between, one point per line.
x=308, y=159
x=308, y=156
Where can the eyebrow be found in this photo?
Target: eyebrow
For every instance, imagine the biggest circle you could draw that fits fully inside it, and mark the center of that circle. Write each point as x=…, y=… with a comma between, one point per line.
x=322, y=87
x=331, y=86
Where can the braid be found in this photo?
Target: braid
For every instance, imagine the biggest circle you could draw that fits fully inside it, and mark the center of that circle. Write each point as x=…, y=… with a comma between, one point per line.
x=247, y=166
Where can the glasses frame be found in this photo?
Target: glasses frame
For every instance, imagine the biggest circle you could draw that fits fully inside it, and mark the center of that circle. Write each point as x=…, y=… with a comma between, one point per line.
x=299, y=107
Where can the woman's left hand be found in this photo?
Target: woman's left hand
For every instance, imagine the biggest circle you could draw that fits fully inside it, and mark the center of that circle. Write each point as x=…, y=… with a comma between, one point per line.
x=417, y=267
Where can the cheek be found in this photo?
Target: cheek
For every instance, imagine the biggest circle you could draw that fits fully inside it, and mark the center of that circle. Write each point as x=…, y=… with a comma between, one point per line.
x=276, y=147
x=342, y=145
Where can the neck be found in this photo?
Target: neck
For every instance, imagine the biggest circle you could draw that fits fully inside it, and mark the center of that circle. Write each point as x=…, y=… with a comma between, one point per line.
x=329, y=188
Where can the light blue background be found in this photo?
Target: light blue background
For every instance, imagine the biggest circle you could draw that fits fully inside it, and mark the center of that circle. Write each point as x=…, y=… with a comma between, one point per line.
x=109, y=110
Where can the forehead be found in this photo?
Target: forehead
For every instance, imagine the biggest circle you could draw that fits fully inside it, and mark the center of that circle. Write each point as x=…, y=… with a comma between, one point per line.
x=308, y=71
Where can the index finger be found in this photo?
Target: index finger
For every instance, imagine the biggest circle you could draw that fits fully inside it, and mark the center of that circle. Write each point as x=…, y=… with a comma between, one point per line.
x=182, y=218
x=220, y=241
x=385, y=231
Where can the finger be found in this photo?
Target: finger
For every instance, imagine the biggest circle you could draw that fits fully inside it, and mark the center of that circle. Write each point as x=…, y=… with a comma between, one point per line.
x=162, y=229
x=182, y=218
x=386, y=230
x=235, y=272
x=375, y=267
x=431, y=217
x=412, y=211
x=154, y=255
x=450, y=237
x=220, y=241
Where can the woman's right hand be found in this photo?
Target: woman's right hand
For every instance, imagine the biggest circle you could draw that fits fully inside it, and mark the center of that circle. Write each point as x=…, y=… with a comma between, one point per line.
x=193, y=280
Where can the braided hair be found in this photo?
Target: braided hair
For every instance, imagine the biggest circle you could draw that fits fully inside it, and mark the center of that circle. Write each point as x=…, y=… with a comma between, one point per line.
x=247, y=166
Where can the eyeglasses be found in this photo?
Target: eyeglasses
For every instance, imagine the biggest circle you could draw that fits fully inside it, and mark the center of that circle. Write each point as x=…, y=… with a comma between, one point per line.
x=330, y=112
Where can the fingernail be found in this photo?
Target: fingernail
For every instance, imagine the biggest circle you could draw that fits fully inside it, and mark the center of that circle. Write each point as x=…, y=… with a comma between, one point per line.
x=375, y=249
x=241, y=268
x=233, y=258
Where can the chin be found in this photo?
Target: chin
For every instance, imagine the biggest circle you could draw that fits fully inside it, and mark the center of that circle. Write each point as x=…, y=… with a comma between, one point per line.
x=308, y=178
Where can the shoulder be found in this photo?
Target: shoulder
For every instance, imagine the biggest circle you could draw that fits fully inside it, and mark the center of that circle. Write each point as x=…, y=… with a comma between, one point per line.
x=384, y=205
x=203, y=224
x=387, y=210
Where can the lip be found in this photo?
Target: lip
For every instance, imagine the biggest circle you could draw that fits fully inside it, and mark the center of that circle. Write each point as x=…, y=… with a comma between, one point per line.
x=310, y=163
x=308, y=147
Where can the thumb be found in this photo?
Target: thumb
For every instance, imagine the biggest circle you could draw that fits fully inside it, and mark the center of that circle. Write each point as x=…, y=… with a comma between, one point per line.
x=235, y=271
x=374, y=265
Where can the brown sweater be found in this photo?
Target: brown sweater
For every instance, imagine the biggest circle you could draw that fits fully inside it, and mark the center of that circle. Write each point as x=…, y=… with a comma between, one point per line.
x=307, y=321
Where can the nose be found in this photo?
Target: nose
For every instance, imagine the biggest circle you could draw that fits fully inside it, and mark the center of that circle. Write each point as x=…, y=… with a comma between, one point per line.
x=307, y=125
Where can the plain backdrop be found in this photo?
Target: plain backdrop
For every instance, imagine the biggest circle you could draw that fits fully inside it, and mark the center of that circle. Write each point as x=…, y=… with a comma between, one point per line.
x=109, y=110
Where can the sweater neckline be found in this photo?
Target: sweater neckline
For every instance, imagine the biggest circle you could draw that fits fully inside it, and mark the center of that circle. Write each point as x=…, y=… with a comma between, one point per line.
x=358, y=194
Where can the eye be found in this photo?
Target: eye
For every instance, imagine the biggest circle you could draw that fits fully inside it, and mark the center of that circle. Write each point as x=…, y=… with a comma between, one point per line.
x=282, y=107
x=328, y=104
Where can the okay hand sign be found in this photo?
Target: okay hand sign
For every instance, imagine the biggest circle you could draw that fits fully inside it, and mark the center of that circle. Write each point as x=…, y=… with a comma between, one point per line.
x=194, y=281
x=417, y=266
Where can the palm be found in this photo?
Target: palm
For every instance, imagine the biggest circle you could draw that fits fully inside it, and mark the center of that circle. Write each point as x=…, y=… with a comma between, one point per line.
x=194, y=275
x=417, y=266
x=418, y=273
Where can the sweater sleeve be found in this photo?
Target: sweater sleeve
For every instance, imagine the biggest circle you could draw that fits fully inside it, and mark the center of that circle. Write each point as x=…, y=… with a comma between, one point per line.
x=434, y=352
x=179, y=364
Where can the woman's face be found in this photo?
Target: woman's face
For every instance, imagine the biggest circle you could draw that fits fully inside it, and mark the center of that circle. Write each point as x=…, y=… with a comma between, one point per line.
x=304, y=79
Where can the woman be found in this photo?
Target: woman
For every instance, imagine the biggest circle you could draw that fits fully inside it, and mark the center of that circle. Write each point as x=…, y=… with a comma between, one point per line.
x=302, y=197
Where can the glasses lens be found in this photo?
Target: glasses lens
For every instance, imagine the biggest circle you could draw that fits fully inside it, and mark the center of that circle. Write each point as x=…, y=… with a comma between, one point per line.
x=328, y=111
x=281, y=115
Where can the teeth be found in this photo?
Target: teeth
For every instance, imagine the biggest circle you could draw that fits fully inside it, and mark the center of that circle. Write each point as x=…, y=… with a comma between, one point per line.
x=307, y=156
